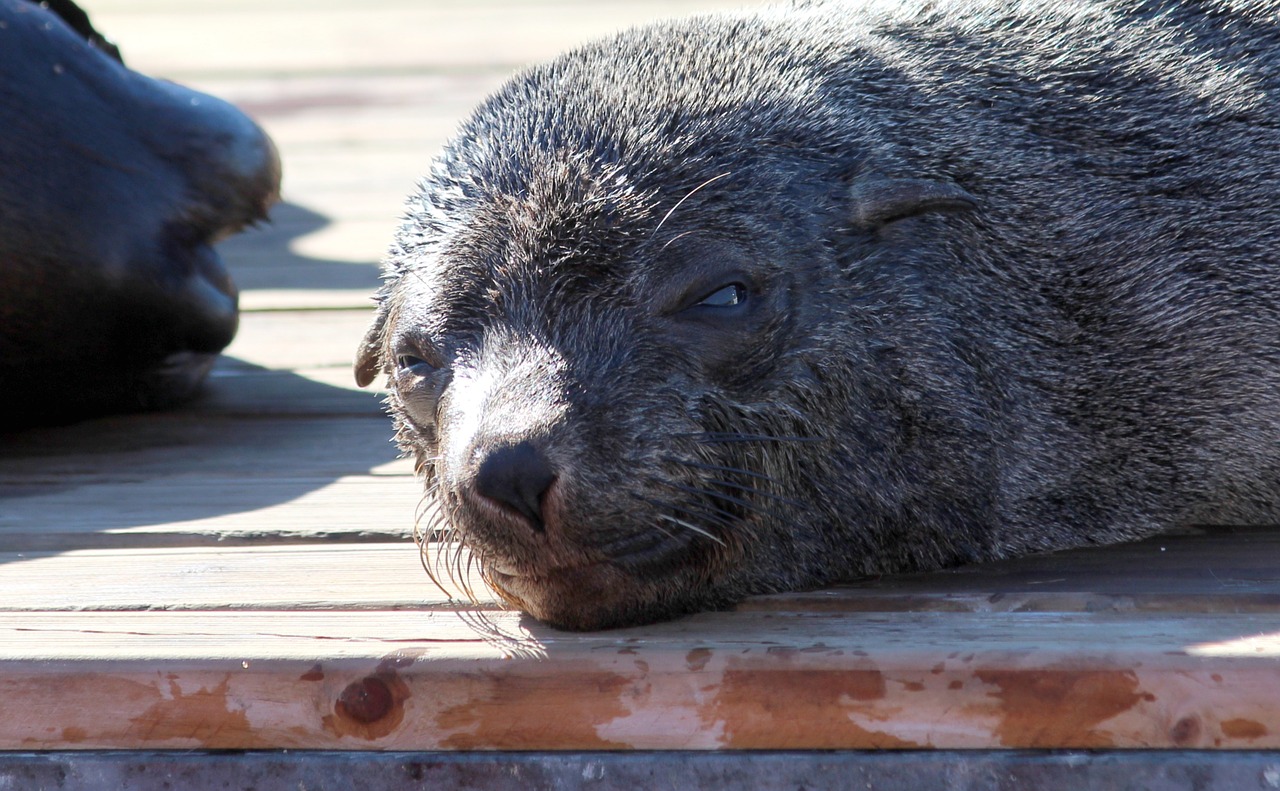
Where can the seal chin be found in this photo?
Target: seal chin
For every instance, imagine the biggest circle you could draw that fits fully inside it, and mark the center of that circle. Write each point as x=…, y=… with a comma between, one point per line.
x=588, y=597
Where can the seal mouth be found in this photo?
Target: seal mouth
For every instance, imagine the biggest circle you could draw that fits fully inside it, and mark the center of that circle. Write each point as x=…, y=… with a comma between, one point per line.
x=540, y=593
x=507, y=576
x=602, y=593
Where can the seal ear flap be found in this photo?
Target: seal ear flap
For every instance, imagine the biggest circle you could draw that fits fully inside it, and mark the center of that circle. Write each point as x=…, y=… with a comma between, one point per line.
x=877, y=200
x=369, y=354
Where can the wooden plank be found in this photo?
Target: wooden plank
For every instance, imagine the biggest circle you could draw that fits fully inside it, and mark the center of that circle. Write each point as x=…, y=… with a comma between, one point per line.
x=314, y=113
x=34, y=569
x=1209, y=570
x=321, y=391
x=970, y=770
x=358, y=244
x=209, y=578
x=242, y=577
x=298, y=340
x=189, y=443
x=298, y=299
x=184, y=510
x=386, y=35
x=492, y=680
x=1248, y=584
x=266, y=258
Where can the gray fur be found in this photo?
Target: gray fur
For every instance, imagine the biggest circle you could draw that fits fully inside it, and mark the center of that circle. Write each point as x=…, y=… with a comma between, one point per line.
x=1011, y=286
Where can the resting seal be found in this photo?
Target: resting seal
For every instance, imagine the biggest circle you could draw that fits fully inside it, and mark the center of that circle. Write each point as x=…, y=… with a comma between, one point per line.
x=762, y=301
x=113, y=189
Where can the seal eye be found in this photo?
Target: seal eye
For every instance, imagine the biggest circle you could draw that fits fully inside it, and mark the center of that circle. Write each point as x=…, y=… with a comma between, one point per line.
x=726, y=297
x=420, y=385
x=407, y=362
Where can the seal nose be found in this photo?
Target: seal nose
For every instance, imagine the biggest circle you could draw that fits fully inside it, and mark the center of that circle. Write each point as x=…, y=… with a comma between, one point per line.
x=517, y=476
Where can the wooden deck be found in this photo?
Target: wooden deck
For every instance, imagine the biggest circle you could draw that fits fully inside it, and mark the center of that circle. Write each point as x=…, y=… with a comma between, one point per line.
x=240, y=574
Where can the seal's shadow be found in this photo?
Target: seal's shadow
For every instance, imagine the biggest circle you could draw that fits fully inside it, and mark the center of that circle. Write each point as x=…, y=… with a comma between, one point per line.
x=263, y=257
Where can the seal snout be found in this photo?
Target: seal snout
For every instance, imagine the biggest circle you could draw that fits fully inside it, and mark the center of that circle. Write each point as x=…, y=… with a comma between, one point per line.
x=517, y=476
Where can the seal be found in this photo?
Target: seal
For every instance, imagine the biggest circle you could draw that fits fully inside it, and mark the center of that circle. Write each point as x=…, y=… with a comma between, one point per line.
x=763, y=301
x=113, y=189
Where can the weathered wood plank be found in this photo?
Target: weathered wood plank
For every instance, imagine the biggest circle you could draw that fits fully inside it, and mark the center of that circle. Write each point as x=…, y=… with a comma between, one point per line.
x=322, y=391
x=190, y=442
x=163, y=583
x=336, y=574
x=191, y=510
x=143, y=567
x=285, y=38
x=492, y=680
x=970, y=770
x=294, y=340
x=299, y=300
x=327, y=112
x=1212, y=570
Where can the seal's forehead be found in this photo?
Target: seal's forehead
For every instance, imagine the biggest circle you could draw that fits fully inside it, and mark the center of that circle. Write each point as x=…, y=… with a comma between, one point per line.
x=515, y=259
x=560, y=214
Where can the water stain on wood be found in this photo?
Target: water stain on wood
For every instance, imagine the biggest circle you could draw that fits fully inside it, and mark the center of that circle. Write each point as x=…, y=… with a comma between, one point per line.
x=205, y=717
x=697, y=659
x=798, y=708
x=316, y=673
x=73, y=735
x=513, y=711
x=1243, y=729
x=1061, y=708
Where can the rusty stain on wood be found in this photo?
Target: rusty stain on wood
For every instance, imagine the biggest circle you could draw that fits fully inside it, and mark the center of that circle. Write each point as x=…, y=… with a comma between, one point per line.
x=507, y=712
x=204, y=716
x=316, y=673
x=697, y=659
x=1240, y=728
x=791, y=705
x=1048, y=706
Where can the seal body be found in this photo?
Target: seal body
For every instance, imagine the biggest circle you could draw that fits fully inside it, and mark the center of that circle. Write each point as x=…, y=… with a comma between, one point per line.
x=763, y=301
x=113, y=188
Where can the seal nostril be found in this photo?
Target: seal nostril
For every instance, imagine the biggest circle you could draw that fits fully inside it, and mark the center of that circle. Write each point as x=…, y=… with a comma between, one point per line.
x=517, y=476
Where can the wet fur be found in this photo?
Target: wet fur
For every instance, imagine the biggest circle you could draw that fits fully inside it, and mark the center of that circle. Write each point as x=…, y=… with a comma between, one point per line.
x=1017, y=291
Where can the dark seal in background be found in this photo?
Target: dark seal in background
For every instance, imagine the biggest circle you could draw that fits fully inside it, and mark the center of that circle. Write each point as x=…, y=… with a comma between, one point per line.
x=113, y=188
x=762, y=301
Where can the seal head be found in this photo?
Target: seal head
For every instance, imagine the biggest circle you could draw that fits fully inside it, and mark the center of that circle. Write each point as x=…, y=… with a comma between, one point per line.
x=613, y=325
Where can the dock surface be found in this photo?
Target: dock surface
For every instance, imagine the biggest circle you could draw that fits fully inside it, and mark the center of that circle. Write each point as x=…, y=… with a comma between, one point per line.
x=240, y=574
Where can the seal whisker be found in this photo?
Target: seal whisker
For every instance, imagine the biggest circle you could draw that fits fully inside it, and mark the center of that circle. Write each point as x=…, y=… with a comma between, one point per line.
x=431, y=535
x=738, y=501
x=753, y=490
x=421, y=464
x=466, y=578
x=461, y=550
x=716, y=436
x=689, y=526
x=720, y=517
x=720, y=468
x=454, y=564
x=676, y=238
x=689, y=195
x=443, y=532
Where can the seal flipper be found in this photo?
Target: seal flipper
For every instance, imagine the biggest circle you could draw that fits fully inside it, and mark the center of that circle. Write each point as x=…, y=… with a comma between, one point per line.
x=877, y=200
